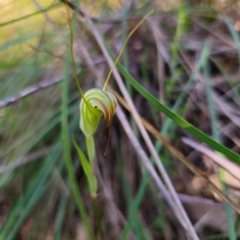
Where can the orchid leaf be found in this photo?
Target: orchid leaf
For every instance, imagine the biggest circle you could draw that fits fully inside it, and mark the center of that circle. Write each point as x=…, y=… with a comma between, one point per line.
x=87, y=168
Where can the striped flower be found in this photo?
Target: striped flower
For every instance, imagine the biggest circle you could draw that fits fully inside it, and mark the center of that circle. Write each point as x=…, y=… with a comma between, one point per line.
x=97, y=103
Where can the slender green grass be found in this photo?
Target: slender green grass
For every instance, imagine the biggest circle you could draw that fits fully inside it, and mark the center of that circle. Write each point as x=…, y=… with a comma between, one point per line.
x=178, y=120
x=23, y=39
x=234, y=34
x=34, y=191
x=219, y=236
x=60, y=217
x=40, y=133
x=29, y=125
x=17, y=217
x=180, y=100
x=216, y=136
x=30, y=15
x=136, y=225
x=134, y=207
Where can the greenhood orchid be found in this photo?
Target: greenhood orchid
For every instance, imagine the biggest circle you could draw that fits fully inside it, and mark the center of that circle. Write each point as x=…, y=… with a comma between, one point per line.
x=96, y=103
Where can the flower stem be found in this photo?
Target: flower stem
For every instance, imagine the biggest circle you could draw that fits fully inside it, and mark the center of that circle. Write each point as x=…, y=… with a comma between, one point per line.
x=97, y=217
x=90, y=148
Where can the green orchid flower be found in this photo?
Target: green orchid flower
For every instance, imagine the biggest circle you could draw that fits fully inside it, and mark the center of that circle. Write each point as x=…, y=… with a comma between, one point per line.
x=96, y=103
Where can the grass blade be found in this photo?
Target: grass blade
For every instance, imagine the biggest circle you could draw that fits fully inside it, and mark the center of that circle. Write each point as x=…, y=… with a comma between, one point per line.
x=178, y=120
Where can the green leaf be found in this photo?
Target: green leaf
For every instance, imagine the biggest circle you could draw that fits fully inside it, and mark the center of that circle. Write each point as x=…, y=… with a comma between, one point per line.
x=85, y=164
x=88, y=169
x=178, y=120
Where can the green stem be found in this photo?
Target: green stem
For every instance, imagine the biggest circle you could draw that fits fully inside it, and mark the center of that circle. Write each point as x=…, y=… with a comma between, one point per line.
x=122, y=49
x=97, y=217
x=71, y=50
x=90, y=149
x=91, y=156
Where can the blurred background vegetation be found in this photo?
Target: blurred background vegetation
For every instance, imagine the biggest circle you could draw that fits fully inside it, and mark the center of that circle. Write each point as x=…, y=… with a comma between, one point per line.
x=186, y=54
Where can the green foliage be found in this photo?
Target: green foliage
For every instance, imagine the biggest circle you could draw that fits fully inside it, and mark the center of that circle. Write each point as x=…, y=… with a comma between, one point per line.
x=88, y=169
x=178, y=120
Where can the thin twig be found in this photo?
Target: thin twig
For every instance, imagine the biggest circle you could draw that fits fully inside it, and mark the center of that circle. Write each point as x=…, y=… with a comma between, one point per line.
x=30, y=90
x=37, y=87
x=189, y=165
x=232, y=168
x=213, y=33
x=230, y=111
x=145, y=160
